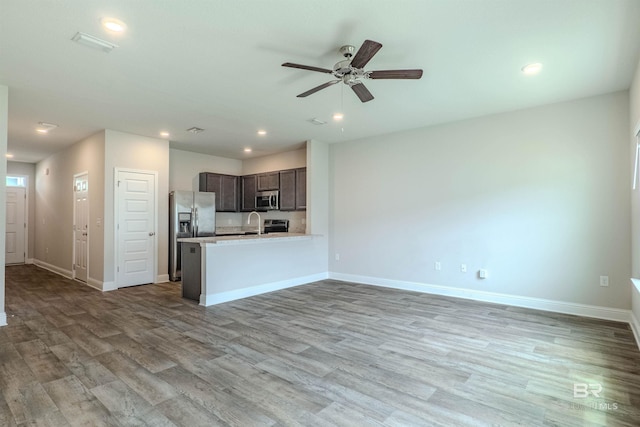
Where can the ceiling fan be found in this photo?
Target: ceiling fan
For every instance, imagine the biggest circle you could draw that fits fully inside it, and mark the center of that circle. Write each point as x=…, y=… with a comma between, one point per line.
x=350, y=70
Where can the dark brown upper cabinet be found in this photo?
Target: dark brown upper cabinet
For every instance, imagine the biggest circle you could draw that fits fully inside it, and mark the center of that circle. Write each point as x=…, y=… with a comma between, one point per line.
x=248, y=186
x=269, y=181
x=301, y=189
x=288, y=190
x=293, y=190
x=225, y=187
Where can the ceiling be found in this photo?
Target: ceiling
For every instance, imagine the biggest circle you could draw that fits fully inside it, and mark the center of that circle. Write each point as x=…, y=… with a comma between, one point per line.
x=216, y=65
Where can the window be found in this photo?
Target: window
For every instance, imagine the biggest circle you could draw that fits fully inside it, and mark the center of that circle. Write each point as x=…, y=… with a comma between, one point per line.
x=16, y=181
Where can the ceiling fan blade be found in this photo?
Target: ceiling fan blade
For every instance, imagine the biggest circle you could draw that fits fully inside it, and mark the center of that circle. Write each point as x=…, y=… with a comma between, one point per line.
x=362, y=92
x=395, y=74
x=307, y=67
x=365, y=53
x=317, y=88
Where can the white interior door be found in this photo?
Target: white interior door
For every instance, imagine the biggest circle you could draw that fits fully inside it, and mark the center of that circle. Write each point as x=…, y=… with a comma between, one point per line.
x=14, y=241
x=136, y=227
x=81, y=226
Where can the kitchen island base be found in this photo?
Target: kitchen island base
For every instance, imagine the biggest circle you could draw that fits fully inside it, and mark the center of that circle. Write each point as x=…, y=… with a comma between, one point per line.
x=238, y=267
x=191, y=271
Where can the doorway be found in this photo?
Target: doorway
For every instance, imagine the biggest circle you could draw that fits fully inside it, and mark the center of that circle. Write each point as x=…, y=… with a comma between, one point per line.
x=136, y=213
x=81, y=226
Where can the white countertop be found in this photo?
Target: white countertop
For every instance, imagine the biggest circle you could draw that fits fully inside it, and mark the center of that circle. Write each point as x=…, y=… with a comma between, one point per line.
x=247, y=239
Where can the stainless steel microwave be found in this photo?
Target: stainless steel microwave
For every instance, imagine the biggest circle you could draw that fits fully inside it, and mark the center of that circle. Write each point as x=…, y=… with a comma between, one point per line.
x=267, y=200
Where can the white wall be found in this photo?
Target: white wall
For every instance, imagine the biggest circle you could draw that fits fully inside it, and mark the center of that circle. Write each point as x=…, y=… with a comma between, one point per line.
x=538, y=197
x=185, y=167
x=54, y=207
x=128, y=151
x=275, y=162
x=634, y=122
x=4, y=126
x=28, y=170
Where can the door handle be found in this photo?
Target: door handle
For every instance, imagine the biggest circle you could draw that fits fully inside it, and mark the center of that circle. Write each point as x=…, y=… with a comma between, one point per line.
x=151, y=233
x=85, y=234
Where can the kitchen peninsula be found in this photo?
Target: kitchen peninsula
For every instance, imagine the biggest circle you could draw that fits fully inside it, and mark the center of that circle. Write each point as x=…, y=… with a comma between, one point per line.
x=225, y=268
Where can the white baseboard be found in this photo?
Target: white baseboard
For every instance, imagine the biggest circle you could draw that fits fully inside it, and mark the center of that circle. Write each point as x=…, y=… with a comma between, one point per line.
x=161, y=278
x=101, y=286
x=93, y=283
x=53, y=268
x=109, y=286
x=3, y=318
x=28, y=261
x=635, y=327
x=514, y=300
x=219, y=298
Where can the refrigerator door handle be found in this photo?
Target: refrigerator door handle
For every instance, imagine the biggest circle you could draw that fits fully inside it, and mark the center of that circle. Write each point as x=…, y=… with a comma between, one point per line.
x=195, y=222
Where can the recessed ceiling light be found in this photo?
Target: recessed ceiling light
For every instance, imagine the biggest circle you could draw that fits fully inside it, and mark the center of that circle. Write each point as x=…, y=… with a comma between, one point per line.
x=338, y=116
x=195, y=130
x=247, y=150
x=262, y=132
x=531, y=69
x=165, y=134
x=9, y=156
x=115, y=25
x=93, y=42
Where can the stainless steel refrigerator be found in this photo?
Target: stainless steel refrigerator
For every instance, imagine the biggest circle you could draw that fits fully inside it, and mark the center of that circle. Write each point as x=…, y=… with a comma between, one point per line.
x=191, y=214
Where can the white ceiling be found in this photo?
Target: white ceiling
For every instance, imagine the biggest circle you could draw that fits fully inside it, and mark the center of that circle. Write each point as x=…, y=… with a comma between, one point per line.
x=216, y=64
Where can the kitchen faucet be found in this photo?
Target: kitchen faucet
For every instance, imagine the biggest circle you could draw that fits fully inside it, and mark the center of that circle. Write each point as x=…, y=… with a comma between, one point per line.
x=259, y=220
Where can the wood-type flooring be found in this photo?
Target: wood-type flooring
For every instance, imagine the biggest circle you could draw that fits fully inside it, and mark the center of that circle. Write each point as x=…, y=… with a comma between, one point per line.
x=324, y=354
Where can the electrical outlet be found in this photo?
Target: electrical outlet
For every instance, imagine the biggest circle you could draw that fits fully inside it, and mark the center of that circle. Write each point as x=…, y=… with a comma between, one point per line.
x=463, y=268
x=437, y=266
x=337, y=257
x=604, y=280
x=482, y=274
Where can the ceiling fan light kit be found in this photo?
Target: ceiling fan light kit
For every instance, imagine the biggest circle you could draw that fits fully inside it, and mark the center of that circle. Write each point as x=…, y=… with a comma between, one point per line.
x=350, y=71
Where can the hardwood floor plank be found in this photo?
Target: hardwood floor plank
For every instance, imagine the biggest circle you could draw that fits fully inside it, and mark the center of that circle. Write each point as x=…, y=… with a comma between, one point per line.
x=29, y=403
x=151, y=387
x=15, y=375
x=230, y=409
x=86, y=340
x=127, y=406
x=146, y=357
x=182, y=411
x=77, y=404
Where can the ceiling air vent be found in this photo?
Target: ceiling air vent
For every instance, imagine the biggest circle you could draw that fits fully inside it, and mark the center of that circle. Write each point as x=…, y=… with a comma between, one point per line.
x=94, y=42
x=195, y=130
x=317, y=121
